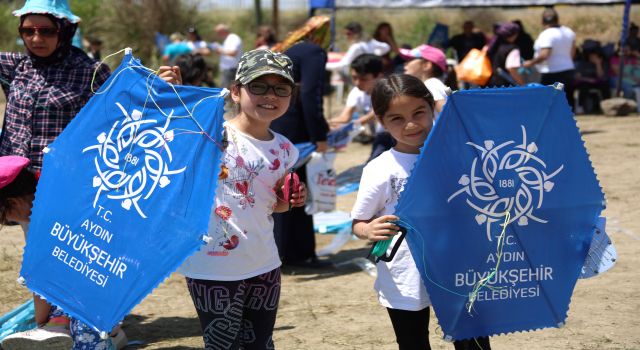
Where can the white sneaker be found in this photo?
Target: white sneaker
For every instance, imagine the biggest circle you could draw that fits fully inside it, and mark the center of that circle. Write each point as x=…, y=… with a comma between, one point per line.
x=38, y=339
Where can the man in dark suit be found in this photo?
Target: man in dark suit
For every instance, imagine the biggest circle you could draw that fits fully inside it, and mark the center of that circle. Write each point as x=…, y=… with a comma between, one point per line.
x=303, y=122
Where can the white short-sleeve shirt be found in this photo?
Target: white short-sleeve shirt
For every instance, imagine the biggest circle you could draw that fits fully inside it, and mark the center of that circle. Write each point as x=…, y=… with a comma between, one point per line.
x=242, y=244
x=398, y=284
x=437, y=88
x=231, y=43
x=359, y=48
x=560, y=40
x=360, y=100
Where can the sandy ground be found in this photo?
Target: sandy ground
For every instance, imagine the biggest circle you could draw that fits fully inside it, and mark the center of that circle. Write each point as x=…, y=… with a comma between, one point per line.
x=337, y=308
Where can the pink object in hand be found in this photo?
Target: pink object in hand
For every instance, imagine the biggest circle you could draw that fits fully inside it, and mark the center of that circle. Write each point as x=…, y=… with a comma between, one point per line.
x=291, y=186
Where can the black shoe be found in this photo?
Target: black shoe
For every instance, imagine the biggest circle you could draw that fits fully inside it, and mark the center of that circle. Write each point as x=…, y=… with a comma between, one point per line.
x=311, y=263
x=363, y=138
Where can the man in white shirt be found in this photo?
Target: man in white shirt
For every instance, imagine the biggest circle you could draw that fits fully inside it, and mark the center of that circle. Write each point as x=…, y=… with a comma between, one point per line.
x=230, y=52
x=555, y=48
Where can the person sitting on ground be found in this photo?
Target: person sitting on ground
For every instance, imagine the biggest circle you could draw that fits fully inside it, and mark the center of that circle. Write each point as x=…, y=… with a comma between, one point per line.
x=633, y=40
x=630, y=72
x=591, y=75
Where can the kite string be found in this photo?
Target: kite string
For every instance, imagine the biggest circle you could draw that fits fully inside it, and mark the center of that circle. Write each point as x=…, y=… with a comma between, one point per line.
x=150, y=79
x=484, y=282
x=410, y=227
x=473, y=295
x=153, y=74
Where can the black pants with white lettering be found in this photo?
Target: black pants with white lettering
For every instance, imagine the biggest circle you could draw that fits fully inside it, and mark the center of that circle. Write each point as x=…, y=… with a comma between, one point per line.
x=237, y=314
x=412, y=332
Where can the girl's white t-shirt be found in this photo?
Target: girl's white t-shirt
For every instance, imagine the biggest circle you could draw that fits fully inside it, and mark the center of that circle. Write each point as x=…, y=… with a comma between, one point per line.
x=242, y=244
x=398, y=284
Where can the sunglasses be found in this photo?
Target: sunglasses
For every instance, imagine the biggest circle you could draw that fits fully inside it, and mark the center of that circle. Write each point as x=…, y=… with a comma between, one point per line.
x=261, y=88
x=46, y=32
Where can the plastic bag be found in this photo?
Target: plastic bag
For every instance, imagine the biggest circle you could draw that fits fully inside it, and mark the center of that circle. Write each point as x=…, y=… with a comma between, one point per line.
x=321, y=186
x=475, y=67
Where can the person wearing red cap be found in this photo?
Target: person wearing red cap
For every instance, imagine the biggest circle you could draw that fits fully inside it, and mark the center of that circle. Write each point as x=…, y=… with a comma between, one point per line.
x=428, y=63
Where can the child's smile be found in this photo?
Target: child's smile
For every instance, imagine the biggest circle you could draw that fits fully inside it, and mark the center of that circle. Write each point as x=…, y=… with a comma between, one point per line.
x=260, y=104
x=409, y=121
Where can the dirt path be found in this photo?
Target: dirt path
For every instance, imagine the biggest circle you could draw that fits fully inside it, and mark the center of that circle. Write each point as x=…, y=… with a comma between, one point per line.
x=337, y=309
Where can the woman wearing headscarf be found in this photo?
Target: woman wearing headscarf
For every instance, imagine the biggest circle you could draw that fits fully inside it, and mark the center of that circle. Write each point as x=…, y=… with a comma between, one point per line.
x=45, y=88
x=505, y=56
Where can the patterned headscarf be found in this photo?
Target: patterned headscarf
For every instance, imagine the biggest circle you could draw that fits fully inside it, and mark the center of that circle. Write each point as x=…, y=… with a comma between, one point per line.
x=316, y=29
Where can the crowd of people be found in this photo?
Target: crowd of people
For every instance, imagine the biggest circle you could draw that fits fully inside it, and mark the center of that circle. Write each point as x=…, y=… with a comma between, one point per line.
x=399, y=91
x=589, y=71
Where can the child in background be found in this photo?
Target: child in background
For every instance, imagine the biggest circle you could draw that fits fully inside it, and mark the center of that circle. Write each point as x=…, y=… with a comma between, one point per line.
x=428, y=64
x=404, y=107
x=17, y=192
x=234, y=280
x=366, y=70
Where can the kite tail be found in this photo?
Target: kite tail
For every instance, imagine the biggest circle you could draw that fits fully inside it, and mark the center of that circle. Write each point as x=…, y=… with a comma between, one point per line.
x=485, y=281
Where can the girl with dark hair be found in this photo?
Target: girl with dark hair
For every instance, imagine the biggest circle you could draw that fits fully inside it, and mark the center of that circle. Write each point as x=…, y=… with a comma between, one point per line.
x=265, y=38
x=384, y=34
x=242, y=255
x=405, y=108
x=17, y=189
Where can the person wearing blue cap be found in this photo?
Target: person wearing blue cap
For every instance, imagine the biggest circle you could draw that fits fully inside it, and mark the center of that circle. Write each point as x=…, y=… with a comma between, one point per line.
x=45, y=88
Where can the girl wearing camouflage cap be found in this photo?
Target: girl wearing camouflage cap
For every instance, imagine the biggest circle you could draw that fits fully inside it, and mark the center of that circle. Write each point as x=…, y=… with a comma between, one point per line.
x=234, y=280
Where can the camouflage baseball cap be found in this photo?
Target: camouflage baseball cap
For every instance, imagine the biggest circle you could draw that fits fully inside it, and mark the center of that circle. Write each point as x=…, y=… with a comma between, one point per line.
x=256, y=63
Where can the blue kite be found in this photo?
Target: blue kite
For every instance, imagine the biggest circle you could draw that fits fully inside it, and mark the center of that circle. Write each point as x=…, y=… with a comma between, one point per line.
x=125, y=194
x=500, y=210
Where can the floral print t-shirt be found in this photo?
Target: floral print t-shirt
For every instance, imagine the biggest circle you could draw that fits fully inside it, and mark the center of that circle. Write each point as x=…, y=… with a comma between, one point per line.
x=241, y=243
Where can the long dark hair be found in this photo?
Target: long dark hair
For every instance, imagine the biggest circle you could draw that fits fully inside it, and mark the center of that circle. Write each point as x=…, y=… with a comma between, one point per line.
x=386, y=89
x=376, y=33
x=24, y=184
